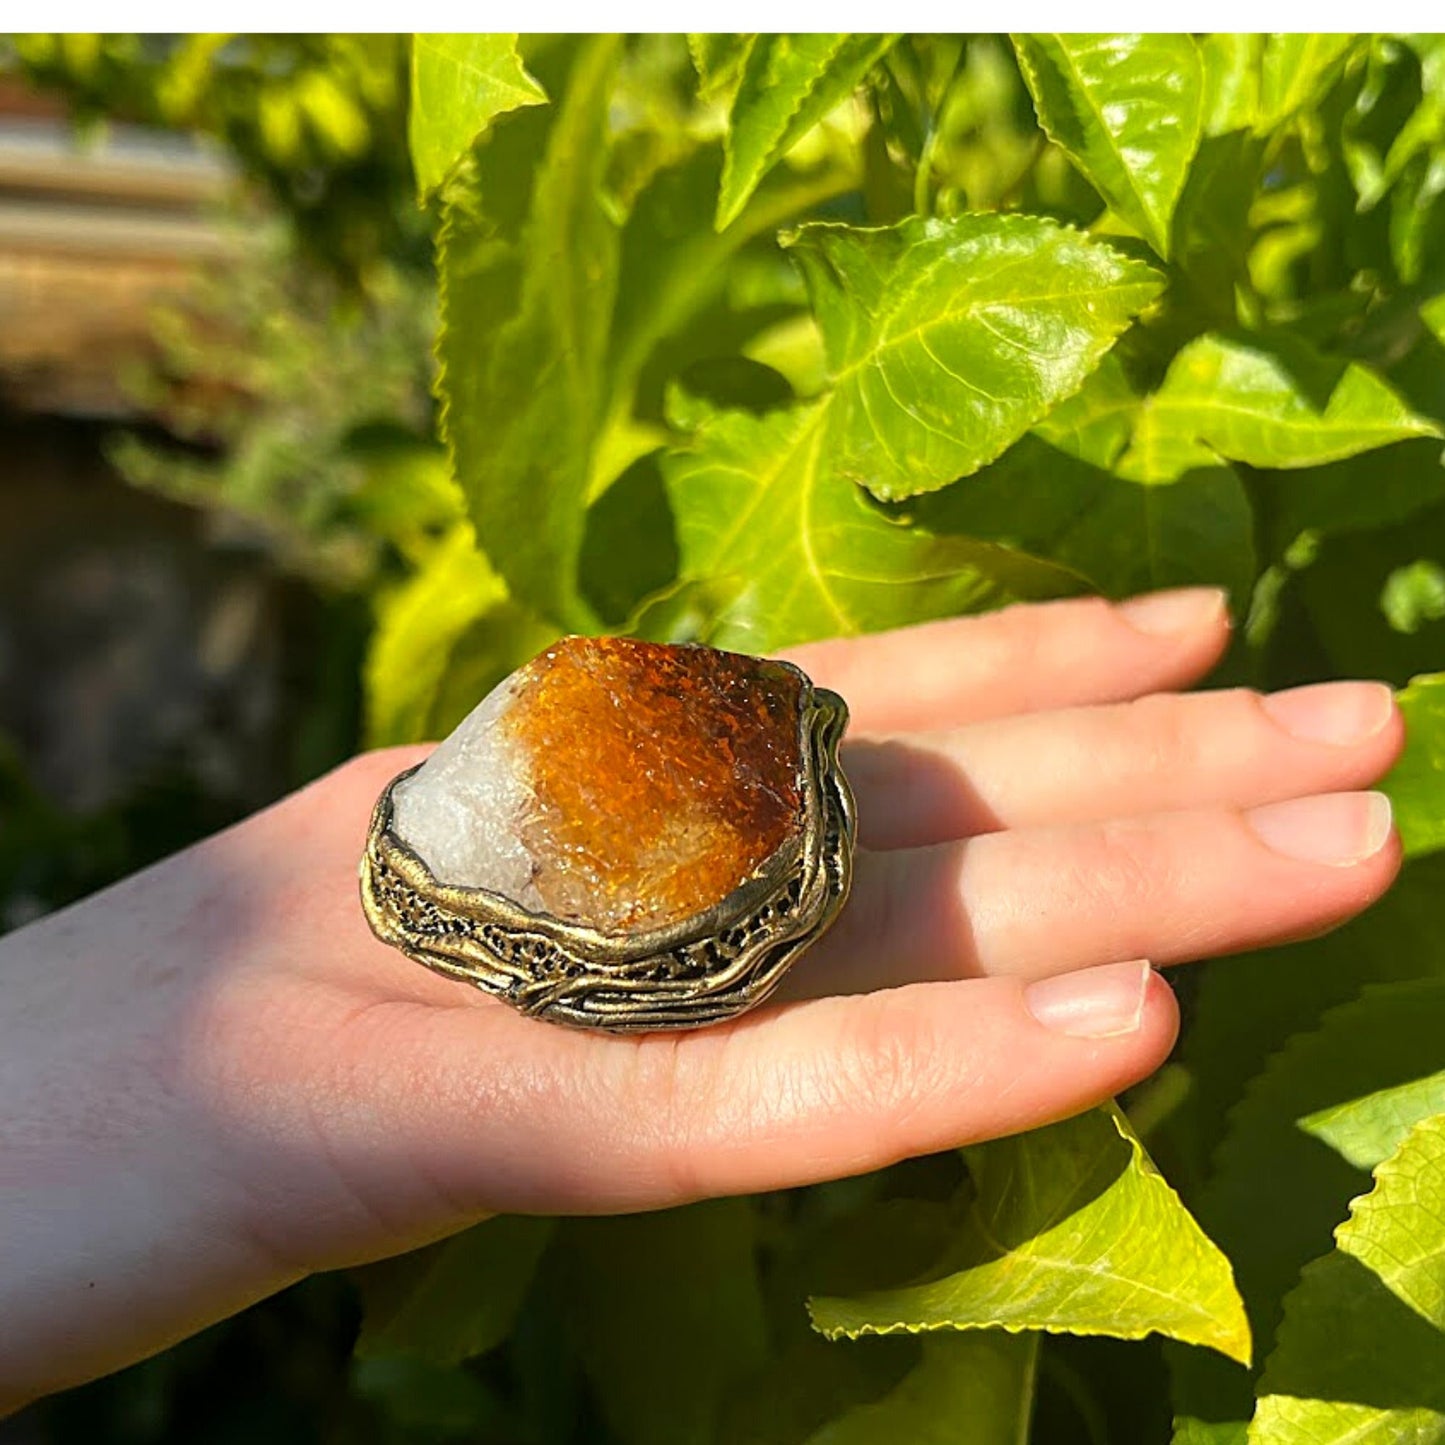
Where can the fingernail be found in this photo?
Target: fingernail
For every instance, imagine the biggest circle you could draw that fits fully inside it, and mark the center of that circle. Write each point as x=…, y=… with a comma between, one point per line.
x=1332, y=712
x=1091, y=1003
x=1172, y=613
x=1338, y=828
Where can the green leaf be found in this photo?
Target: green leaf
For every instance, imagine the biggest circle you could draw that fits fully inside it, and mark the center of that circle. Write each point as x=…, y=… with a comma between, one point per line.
x=453, y=1300
x=1072, y=1230
x=437, y=1402
x=1432, y=312
x=1188, y=1431
x=1122, y=534
x=1416, y=785
x=719, y=61
x=809, y=1381
x=1369, y=1071
x=947, y=340
x=417, y=627
x=986, y=1379
x=668, y=1314
x=1246, y=1008
x=1372, y=490
x=1212, y=235
x=1342, y=588
x=790, y=551
x=629, y=552
x=1127, y=110
x=1278, y=403
x=1361, y=1356
x=789, y=83
x=1095, y=424
x=1400, y=138
x=459, y=85
x=674, y=272
x=1232, y=65
x=1414, y=595
x=1251, y=1006
x=524, y=393
x=1365, y=1131
x=1295, y=73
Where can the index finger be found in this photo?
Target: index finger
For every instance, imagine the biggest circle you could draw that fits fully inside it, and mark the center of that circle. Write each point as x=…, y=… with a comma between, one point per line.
x=1024, y=658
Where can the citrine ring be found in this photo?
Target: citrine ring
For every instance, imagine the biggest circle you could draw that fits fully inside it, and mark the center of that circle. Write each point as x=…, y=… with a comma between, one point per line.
x=621, y=835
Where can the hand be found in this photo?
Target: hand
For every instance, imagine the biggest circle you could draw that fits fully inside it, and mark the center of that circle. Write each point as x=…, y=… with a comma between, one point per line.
x=216, y=1081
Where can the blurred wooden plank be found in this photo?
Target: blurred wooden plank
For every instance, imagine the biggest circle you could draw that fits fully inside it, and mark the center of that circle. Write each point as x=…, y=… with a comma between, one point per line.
x=92, y=240
x=75, y=228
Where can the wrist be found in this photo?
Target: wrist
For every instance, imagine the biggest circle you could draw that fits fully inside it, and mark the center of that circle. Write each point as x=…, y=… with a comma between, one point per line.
x=123, y=1223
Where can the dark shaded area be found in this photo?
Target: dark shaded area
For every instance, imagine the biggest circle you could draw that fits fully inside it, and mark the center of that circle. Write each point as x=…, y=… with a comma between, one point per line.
x=1334, y=1352
x=159, y=679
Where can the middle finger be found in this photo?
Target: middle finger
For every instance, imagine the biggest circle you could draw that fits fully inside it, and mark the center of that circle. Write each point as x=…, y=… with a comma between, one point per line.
x=1085, y=764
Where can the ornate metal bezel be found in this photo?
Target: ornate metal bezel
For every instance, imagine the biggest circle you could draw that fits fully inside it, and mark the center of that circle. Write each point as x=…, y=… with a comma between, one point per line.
x=699, y=971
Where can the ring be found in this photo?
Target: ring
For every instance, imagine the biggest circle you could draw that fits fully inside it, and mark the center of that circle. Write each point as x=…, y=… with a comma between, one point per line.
x=621, y=835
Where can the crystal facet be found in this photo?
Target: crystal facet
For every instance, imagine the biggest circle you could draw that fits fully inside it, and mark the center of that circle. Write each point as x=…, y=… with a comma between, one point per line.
x=619, y=785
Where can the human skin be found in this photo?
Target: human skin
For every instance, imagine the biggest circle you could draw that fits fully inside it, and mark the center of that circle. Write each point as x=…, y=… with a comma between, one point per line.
x=214, y=1081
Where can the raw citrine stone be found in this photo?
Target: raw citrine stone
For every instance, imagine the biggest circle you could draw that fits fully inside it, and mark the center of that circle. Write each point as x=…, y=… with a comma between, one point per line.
x=617, y=784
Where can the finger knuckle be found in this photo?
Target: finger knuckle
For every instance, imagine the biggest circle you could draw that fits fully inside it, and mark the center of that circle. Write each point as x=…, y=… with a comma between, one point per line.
x=891, y=1067
x=1161, y=735
x=678, y=1097
x=1124, y=869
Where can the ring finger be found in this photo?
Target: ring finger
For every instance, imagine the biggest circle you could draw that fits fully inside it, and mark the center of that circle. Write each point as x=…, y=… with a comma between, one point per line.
x=1168, y=887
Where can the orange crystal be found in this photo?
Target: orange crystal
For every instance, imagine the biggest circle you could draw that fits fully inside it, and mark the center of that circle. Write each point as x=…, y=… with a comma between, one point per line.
x=663, y=777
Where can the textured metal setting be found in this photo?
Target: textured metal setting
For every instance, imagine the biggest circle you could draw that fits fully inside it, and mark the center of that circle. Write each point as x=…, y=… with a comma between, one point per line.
x=700, y=971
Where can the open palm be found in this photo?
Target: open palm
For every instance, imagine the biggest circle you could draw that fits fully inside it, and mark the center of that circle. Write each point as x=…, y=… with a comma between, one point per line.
x=216, y=1080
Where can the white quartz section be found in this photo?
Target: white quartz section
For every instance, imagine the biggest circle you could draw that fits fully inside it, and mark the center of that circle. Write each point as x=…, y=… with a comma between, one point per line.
x=461, y=811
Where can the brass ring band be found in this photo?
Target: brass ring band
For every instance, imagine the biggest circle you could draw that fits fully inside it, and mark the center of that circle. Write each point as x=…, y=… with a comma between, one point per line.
x=699, y=971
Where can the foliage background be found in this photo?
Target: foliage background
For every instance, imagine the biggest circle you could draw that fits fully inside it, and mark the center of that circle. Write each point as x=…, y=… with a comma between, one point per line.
x=757, y=339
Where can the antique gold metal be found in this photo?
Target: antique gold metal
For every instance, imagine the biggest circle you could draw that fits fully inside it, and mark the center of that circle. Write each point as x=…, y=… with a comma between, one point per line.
x=702, y=970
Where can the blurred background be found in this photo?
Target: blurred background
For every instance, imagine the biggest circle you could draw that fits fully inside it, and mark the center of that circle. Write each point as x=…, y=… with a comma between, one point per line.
x=216, y=308
x=217, y=462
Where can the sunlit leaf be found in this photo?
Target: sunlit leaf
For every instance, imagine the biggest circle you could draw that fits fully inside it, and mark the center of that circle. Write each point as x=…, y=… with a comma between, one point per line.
x=460, y=84
x=1072, y=1229
x=1296, y=71
x=673, y=273
x=1417, y=783
x=789, y=83
x=1231, y=81
x=790, y=550
x=524, y=395
x=1127, y=110
x=719, y=61
x=1361, y=1354
x=417, y=627
x=1094, y=425
x=947, y=340
x=1277, y=404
